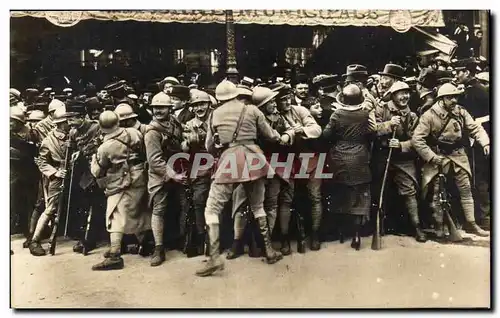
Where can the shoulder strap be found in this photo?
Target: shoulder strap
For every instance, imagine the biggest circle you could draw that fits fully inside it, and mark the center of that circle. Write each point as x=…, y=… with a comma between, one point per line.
x=444, y=127
x=240, y=121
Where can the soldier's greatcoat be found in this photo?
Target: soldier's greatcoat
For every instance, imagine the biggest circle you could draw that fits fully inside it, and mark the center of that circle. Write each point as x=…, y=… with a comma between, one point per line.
x=51, y=158
x=402, y=159
x=162, y=140
x=451, y=142
x=119, y=168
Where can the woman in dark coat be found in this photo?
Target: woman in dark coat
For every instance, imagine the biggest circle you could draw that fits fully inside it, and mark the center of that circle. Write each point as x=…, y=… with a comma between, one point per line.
x=350, y=130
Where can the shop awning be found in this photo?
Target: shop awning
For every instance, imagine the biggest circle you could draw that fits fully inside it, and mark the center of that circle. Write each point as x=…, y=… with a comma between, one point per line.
x=400, y=20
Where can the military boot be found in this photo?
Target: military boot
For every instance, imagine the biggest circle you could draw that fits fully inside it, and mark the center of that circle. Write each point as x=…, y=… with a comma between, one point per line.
x=215, y=262
x=158, y=256
x=315, y=244
x=285, y=245
x=113, y=262
x=472, y=227
x=272, y=256
x=26, y=243
x=412, y=207
x=236, y=249
x=36, y=249
x=439, y=230
x=78, y=247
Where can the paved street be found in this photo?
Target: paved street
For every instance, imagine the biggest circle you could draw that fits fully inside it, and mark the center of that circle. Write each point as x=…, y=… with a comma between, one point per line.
x=403, y=274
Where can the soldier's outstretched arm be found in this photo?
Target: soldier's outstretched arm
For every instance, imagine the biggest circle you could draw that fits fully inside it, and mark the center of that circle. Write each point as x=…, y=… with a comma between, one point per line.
x=263, y=127
x=418, y=140
x=475, y=130
x=311, y=128
x=154, y=154
x=43, y=160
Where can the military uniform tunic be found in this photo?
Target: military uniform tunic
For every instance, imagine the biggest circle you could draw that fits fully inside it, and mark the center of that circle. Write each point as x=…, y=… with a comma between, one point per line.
x=119, y=168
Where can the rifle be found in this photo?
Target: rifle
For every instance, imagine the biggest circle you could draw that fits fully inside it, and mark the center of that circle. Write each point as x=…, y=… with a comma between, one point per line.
x=68, y=205
x=444, y=204
x=301, y=239
x=62, y=197
x=251, y=229
x=190, y=248
x=379, y=230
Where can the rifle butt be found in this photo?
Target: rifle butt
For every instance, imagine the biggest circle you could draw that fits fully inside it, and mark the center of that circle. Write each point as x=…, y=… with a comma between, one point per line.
x=454, y=234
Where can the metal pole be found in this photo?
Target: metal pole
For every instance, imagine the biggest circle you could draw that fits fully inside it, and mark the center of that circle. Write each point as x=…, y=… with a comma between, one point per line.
x=231, y=71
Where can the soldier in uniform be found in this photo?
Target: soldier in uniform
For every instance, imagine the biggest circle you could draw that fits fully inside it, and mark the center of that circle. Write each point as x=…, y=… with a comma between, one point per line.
x=23, y=171
x=439, y=140
x=263, y=98
x=51, y=159
x=397, y=115
x=87, y=194
x=117, y=92
x=476, y=101
x=351, y=128
x=162, y=140
x=195, y=132
x=43, y=127
x=128, y=119
x=34, y=117
x=306, y=129
x=118, y=167
x=233, y=129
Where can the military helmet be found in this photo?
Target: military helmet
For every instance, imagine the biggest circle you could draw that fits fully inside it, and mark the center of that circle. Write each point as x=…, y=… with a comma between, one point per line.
x=18, y=113
x=262, y=95
x=161, y=100
x=226, y=90
x=448, y=89
x=55, y=104
x=398, y=86
x=14, y=92
x=197, y=96
x=108, y=121
x=351, y=95
x=36, y=115
x=125, y=111
x=59, y=115
x=244, y=90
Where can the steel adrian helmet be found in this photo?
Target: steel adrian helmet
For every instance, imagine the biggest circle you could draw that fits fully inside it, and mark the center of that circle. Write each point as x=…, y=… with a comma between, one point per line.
x=226, y=90
x=125, y=111
x=108, y=121
x=59, y=115
x=55, y=104
x=262, y=95
x=398, y=86
x=198, y=96
x=448, y=90
x=161, y=100
x=36, y=115
x=18, y=113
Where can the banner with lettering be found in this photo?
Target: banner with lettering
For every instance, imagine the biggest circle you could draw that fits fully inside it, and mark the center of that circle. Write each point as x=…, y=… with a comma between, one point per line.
x=400, y=20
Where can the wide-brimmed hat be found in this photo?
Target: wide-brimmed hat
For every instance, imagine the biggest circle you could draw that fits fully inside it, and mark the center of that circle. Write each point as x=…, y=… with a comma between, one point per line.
x=262, y=95
x=327, y=81
x=355, y=72
x=393, y=70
